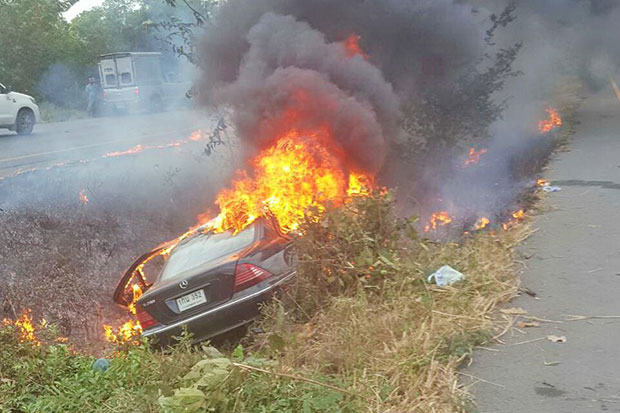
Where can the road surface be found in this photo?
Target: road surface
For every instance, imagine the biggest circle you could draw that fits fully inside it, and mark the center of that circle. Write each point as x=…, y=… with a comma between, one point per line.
x=573, y=265
x=91, y=138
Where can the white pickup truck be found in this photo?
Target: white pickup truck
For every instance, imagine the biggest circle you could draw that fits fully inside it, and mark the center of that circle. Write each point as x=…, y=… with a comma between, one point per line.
x=134, y=80
x=18, y=112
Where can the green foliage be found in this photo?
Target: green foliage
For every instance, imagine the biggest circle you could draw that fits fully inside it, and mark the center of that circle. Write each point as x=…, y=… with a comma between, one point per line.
x=49, y=377
x=352, y=247
x=178, y=32
x=115, y=26
x=55, y=378
x=43, y=55
x=217, y=384
x=34, y=37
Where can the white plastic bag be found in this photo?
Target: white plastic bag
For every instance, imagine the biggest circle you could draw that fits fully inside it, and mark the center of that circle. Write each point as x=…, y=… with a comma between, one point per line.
x=446, y=275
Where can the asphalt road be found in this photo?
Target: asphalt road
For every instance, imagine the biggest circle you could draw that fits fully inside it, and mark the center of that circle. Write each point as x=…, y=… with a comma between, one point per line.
x=572, y=263
x=52, y=143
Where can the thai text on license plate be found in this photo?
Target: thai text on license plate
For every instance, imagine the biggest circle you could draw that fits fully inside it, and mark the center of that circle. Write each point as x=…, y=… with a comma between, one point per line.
x=191, y=300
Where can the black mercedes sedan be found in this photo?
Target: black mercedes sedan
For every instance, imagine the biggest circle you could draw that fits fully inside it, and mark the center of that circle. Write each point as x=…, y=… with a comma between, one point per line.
x=210, y=283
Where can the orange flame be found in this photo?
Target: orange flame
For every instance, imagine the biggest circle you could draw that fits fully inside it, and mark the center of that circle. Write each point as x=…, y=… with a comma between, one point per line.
x=352, y=46
x=25, y=326
x=83, y=197
x=440, y=218
x=554, y=121
x=481, y=223
x=137, y=293
x=518, y=215
x=136, y=149
x=194, y=137
x=295, y=174
x=474, y=157
x=542, y=182
x=127, y=333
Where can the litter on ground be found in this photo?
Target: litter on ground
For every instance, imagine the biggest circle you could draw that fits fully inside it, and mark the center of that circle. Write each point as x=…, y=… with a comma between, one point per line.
x=446, y=275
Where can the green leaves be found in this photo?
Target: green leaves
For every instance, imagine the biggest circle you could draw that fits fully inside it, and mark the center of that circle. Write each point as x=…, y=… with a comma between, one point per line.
x=355, y=246
x=187, y=399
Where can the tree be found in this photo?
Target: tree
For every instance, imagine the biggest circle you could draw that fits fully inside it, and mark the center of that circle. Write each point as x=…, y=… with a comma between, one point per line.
x=116, y=26
x=178, y=30
x=451, y=117
x=33, y=37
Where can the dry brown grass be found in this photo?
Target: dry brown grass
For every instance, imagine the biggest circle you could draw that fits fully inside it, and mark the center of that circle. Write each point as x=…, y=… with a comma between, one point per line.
x=398, y=346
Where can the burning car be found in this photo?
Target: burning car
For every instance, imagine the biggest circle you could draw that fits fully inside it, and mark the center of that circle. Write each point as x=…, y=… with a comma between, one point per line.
x=210, y=283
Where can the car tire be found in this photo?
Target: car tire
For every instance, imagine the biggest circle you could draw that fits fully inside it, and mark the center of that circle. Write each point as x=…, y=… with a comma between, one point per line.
x=24, y=124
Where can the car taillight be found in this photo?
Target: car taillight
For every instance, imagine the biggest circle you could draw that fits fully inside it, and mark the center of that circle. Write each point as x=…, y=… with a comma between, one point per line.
x=145, y=319
x=247, y=275
x=136, y=91
x=105, y=95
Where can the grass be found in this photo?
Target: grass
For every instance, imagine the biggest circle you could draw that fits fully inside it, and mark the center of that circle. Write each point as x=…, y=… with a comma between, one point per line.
x=361, y=330
x=54, y=113
x=396, y=338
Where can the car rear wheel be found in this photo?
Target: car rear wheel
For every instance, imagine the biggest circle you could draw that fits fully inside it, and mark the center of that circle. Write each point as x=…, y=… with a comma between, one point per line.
x=25, y=122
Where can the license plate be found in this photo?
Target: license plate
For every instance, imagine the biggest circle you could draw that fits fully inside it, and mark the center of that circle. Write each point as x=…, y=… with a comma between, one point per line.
x=191, y=300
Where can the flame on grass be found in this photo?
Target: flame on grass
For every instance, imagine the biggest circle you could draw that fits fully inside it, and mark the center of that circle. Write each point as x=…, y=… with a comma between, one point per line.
x=474, y=156
x=25, y=326
x=83, y=197
x=515, y=217
x=553, y=122
x=196, y=136
x=126, y=334
x=130, y=330
x=542, y=182
x=438, y=219
x=481, y=223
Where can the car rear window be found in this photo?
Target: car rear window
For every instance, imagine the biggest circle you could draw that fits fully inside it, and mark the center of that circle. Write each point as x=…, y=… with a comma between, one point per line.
x=110, y=79
x=126, y=78
x=204, y=248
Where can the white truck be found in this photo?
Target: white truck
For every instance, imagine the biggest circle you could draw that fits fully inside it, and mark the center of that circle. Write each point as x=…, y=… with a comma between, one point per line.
x=18, y=112
x=134, y=81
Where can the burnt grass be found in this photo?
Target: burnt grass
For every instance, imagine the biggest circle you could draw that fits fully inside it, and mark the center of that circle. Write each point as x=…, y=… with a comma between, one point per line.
x=62, y=258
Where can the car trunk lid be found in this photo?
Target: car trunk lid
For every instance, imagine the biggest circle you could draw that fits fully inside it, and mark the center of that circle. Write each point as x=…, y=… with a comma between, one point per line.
x=191, y=292
x=198, y=275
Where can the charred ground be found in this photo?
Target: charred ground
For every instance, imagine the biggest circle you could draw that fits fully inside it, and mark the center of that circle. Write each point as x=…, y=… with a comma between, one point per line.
x=62, y=256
